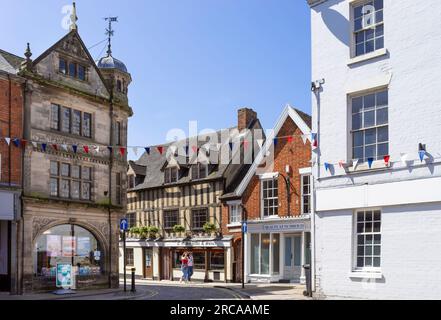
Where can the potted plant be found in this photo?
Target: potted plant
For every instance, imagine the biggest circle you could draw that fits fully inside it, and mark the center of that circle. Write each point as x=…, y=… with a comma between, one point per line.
x=135, y=231
x=210, y=228
x=178, y=229
x=144, y=232
x=153, y=231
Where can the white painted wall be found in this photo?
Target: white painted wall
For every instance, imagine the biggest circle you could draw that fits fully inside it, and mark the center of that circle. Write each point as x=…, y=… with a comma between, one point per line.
x=407, y=194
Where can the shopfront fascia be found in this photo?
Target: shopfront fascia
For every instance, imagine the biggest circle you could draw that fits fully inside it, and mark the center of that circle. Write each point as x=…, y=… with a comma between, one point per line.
x=277, y=249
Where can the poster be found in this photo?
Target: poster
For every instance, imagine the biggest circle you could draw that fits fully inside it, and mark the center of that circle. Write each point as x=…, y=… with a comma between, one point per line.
x=64, y=275
x=83, y=246
x=53, y=246
x=69, y=246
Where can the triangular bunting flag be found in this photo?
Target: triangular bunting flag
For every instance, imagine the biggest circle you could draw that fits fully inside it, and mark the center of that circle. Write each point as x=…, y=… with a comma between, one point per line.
x=43, y=147
x=355, y=163
x=64, y=147
x=86, y=149
x=160, y=149
x=341, y=163
x=327, y=166
x=147, y=150
x=55, y=147
x=290, y=139
x=8, y=140
x=370, y=162
x=231, y=145
x=422, y=154
x=122, y=151
x=74, y=148
x=16, y=142
x=275, y=141
x=260, y=143
x=135, y=150
x=34, y=144
x=386, y=159
x=110, y=148
x=304, y=138
x=218, y=146
x=403, y=157
x=23, y=143
x=96, y=148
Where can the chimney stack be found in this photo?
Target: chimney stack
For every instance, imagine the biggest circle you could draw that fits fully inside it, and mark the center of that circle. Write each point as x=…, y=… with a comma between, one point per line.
x=244, y=118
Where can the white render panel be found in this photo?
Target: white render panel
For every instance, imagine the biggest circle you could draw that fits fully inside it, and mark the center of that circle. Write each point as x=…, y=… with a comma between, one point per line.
x=411, y=263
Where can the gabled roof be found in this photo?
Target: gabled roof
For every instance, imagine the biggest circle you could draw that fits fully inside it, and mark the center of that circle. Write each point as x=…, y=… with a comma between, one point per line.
x=303, y=122
x=138, y=169
x=10, y=61
x=75, y=34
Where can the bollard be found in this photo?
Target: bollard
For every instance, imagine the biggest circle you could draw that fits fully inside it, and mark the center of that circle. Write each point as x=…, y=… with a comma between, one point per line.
x=133, y=280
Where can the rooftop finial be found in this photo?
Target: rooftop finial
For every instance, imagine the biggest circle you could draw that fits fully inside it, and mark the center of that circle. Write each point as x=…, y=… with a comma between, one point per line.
x=28, y=53
x=73, y=18
x=109, y=33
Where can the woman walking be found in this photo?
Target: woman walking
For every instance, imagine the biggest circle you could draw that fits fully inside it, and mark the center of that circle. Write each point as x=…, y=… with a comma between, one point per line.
x=184, y=268
x=190, y=265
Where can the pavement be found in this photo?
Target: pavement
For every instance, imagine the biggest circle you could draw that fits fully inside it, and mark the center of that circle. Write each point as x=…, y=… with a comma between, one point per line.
x=173, y=290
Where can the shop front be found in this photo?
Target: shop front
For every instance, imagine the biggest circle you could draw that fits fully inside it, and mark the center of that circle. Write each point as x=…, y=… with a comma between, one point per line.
x=277, y=249
x=73, y=245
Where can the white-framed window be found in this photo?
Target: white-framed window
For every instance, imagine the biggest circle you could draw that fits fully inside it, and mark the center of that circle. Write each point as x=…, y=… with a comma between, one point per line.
x=370, y=130
x=367, y=26
x=306, y=193
x=367, y=232
x=235, y=212
x=270, y=197
x=171, y=175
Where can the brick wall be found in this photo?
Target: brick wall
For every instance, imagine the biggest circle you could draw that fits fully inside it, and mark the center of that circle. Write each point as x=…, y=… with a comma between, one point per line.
x=11, y=98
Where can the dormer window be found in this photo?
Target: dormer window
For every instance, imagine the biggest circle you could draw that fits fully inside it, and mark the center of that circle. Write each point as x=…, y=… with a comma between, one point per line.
x=171, y=175
x=72, y=69
x=199, y=171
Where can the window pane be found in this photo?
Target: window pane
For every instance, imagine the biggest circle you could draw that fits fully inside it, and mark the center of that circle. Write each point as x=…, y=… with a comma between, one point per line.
x=358, y=24
x=359, y=37
x=378, y=4
x=87, y=125
x=81, y=73
x=359, y=49
x=360, y=262
x=85, y=173
x=65, y=119
x=379, y=43
x=65, y=169
x=382, y=98
x=358, y=12
x=360, y=240
x=297, y=251
x=377, y=216
x=357, y=104
x=62, y=66
x=358, y=153
x=368, y=216
x=276, y=253
x=377, y=226
x=377, y=250
x=55, y=112
x=54, y=187
x=76, y=121
x=85, y=191
x=383, y=149
x=360, y=216
x=382, y=116
x=370, y=136
x=370, y=152
x=75, y=190
x=356, y=121
x=379, y=16
x=75, y=172
x=369, y=101
x=383, y=134
x=377, y=262
x=264, y=255
x=255, y=253
x=72, y=69
x=370, y=33
x=54, y=168
x=379, y=31
x=370, y=46
x=65, y=188
x=369, y=119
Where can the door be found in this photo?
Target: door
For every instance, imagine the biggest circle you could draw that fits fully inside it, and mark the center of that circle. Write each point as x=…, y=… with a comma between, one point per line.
x=293, y=258
x=237, y=263
x=148, y=263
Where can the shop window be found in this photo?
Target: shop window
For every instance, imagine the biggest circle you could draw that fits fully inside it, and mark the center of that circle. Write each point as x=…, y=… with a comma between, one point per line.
x=198, y=259
x=130, y=258
x=217, y=260
x=70, y=244
x=368, y=240
x=261, y=246
x=199, y=217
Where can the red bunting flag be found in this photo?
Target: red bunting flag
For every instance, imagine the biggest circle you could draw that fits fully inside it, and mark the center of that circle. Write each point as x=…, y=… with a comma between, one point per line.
x=315, y=143
x=86, y=149
x=55, y=147
x=386, y=159
x=23, y=143
x=122, y=151
x=290, y=139
x=160, y=150
x=195, y=149
x=245, y=144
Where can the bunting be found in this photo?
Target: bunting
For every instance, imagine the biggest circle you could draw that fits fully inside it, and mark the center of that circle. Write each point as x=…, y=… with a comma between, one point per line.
x=386, y=159
x=160, y=149
x=327, y=166
x=422, y=154
x=370, y=162
x=147, y=150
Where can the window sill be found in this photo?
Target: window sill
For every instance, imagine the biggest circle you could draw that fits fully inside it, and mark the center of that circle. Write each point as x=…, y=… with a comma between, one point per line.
x=234, y=225
x=368, y=56
x=362, y=167
x=365, y=275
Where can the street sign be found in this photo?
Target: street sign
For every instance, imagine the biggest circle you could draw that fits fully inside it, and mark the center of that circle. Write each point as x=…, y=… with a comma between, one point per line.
x=244, y=227
x=123, y=224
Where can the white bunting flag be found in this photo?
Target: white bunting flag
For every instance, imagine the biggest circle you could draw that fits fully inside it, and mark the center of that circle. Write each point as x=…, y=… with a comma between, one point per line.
x=34, y=144
x=135, y=150
x=341, y=163
x=64, y=147
x=218, y=146
x=260, y=143
x=304, y=138
x=355, y=163
x=8, y=140
x=404, y=158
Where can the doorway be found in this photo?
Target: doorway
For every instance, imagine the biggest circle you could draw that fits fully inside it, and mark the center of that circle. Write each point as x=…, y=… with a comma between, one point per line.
x=5, y=259
x=148, y=263
x=293, y=257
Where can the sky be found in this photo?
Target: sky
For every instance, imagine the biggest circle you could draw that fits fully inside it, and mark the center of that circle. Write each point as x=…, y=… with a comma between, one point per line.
x=190, y=60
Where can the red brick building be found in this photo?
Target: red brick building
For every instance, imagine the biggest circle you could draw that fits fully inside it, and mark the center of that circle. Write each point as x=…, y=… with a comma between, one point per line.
x=277, y=238
x=11, y=127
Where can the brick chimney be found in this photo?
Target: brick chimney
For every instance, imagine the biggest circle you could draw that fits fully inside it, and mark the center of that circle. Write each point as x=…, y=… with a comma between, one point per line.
x=244, y=117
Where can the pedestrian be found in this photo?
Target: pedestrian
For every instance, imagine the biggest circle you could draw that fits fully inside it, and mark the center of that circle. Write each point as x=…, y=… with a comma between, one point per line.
x=184, y=268
x=190, y=265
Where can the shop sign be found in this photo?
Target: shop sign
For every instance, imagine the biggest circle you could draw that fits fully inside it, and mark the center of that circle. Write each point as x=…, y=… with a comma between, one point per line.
x=64, y=276
x=281, y=227
x=196, y=244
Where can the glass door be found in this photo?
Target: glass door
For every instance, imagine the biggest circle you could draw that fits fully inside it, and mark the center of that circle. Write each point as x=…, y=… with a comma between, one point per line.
x=293, y=261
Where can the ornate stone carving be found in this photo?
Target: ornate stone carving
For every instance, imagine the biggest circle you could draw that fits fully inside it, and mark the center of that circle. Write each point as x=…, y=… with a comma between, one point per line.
x=40, y=223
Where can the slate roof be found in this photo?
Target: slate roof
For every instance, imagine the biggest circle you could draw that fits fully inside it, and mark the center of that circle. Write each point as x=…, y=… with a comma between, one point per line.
x=155, y=162
x=139, y=170
x=9, y=62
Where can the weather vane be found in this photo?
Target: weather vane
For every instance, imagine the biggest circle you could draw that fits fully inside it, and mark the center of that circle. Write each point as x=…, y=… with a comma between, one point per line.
x=110, y=32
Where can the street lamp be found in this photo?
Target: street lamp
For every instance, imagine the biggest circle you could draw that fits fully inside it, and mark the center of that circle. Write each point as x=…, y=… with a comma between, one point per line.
x=288, y=188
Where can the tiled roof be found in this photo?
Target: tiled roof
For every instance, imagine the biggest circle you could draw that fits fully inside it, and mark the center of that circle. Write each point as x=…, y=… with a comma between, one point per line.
x=9, y=62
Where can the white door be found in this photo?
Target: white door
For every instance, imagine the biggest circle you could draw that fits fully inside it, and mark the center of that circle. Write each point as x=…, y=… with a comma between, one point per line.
x=293, y=259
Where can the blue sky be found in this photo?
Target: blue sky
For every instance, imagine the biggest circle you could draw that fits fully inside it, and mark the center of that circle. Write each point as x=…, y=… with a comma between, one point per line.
x=189, y=59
